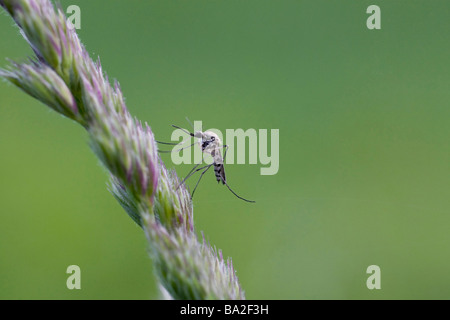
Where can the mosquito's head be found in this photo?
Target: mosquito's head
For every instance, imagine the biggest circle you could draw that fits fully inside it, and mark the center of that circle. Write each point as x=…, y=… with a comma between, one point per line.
x=209, y=141
x=211, y=137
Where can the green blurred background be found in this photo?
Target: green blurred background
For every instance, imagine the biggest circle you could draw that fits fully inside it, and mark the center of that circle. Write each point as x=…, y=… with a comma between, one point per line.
x=364, y=149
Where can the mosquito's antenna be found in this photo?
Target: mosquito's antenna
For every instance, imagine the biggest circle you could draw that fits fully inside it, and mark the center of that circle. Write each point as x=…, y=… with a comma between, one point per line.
x=165, y=151
x=184, y=130
x=190, y=123
x=236, y=193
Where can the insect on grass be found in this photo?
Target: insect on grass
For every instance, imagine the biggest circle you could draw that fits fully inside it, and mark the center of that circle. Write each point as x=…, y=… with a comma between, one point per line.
x=211, y=144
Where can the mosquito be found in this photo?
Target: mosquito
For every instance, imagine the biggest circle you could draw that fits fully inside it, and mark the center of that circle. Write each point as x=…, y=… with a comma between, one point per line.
x=210, y=143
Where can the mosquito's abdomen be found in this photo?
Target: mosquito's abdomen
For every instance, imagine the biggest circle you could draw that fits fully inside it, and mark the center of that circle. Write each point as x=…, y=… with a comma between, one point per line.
x=219, y=170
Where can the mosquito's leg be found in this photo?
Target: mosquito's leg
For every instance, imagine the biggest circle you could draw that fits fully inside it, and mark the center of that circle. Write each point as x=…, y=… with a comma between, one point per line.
x=184, y=130
x=175, y=143
x=201, y=176
x=193, y=171
x=225, y=154
x=164, y=151
x=168, y=143
x=237, y=195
